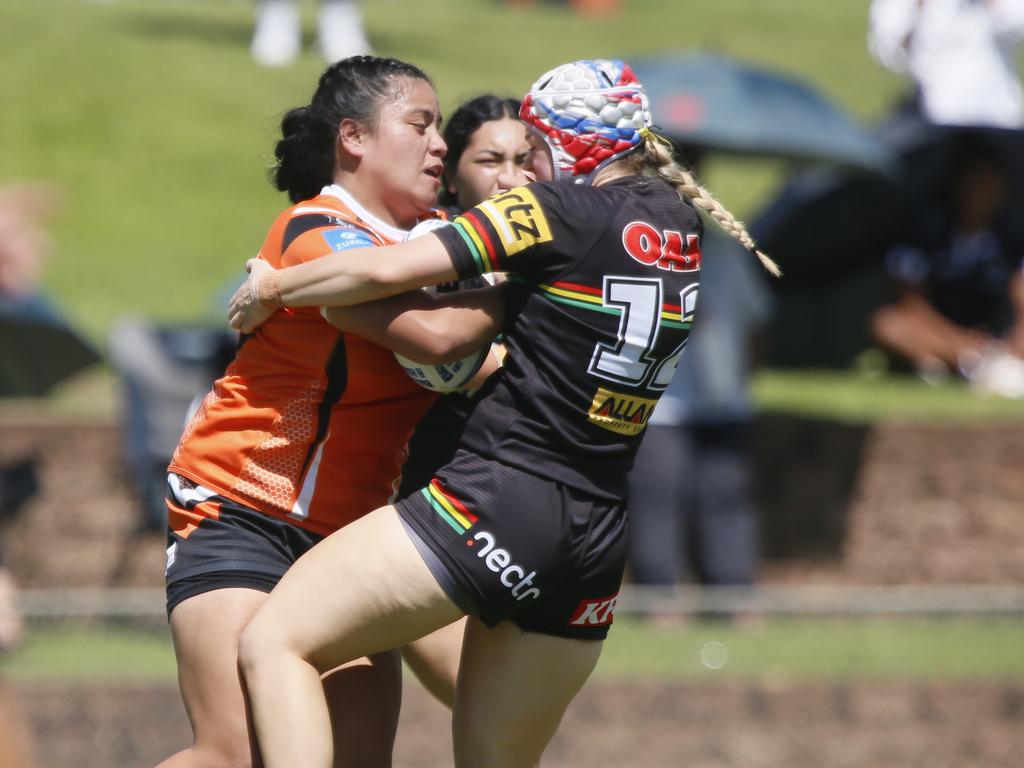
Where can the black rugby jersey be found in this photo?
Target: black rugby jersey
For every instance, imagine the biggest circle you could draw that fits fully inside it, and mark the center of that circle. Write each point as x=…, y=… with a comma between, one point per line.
x=601, y=297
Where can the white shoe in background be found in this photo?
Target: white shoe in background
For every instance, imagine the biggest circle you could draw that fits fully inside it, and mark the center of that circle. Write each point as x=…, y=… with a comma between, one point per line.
x=277, y=38
x=999, y=373
x=340, y=30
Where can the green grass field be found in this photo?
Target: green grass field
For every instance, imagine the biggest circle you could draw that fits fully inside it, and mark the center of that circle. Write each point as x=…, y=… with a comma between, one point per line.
x=855, y=397
x=156, y=126
x=775, y=649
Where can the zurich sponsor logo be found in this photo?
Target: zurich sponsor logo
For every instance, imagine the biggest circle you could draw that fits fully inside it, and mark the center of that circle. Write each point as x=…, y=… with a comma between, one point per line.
x=345, y=237
x=499, y=560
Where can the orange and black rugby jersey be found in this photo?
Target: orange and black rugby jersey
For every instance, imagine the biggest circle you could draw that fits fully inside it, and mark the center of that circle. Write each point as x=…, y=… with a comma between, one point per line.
x=307, y=423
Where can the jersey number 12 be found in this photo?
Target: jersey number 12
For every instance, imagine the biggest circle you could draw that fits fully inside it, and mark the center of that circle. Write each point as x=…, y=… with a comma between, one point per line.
x=631, y=360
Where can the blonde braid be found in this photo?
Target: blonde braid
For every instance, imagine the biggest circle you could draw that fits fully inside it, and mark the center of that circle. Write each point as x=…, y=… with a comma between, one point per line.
x=656, y=157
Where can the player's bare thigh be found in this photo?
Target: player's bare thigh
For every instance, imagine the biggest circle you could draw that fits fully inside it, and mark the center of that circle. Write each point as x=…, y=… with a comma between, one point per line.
x=513, y=690
x=206, y=629
x=361, y=590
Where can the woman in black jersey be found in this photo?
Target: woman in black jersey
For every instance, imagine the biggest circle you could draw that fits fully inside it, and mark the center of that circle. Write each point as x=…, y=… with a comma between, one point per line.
x=485, y=140
x=524, y=530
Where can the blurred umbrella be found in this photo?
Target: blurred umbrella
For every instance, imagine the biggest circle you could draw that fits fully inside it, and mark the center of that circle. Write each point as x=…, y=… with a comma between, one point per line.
x=37, y=351
x=712, y=102
x=824, y=218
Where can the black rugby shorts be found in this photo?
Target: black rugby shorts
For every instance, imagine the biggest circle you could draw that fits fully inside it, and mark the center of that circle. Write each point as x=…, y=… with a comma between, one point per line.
x=233, y=546
x=506, y=544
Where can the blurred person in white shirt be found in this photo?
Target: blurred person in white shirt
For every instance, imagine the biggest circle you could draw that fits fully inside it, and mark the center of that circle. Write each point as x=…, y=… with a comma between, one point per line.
x=961, y=54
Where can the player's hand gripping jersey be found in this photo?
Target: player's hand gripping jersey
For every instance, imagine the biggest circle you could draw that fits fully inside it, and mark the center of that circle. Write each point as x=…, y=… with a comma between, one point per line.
x=308, y=423
x=603, y=289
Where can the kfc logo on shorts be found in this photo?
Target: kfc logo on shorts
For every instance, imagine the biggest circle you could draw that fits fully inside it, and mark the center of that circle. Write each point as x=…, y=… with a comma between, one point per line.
x=599, y=612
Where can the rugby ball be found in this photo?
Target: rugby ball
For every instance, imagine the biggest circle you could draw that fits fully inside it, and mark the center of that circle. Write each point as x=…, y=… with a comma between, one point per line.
x=425, y=226
x=444, y=377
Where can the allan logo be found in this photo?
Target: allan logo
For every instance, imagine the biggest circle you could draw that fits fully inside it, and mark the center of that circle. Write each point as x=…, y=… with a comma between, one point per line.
x=620, y=413
x=518, y=219
x=599, y=612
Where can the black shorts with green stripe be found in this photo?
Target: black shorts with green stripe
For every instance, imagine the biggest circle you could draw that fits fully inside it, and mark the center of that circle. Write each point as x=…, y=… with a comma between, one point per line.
x=509, y=545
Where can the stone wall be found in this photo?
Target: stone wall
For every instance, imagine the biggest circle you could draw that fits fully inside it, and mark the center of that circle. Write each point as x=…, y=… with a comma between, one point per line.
x=891, y=503
x=886, y=504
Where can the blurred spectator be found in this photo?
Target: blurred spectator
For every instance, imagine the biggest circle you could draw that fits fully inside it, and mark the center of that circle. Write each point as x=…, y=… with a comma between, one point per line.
x=586, y=7
x=691, y=512
x=162, y=371
x=277, y=38
x=596, y=7
x=959, y=306
x=961, y=55
x=24, y=247
x=38, y=347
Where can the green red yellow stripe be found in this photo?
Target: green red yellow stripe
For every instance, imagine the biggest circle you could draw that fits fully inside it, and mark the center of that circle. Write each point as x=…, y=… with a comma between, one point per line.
x=475, y=247
x=490, y=251
x=587, y=297
x=672, y=316
x=450, y=509
x=474, y=233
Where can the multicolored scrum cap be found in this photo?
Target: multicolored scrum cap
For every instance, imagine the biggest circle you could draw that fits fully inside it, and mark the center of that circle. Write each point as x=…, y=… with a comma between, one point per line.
x=590, y=112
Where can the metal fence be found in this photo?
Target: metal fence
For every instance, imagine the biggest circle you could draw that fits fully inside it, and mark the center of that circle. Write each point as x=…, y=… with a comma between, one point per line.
x=794, y=600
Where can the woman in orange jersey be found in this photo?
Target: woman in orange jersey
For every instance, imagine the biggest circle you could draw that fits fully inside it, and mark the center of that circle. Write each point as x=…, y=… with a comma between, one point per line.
x=306, y=430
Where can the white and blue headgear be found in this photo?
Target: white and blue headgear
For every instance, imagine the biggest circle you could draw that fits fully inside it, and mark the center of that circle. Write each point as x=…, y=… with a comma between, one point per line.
x=590, y=113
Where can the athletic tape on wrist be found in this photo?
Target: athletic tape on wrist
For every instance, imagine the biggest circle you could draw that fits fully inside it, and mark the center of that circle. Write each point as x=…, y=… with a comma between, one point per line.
x=269, y=290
